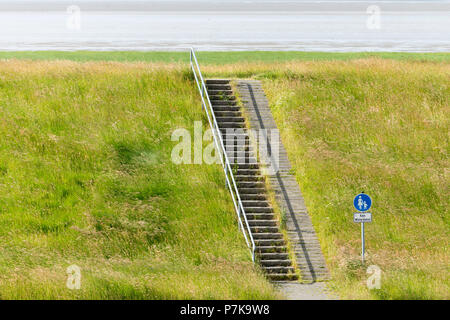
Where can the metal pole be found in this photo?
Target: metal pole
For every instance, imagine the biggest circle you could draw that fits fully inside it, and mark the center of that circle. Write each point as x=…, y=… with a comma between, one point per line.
x=362, y=241
x=226, y=172
x=201, y=93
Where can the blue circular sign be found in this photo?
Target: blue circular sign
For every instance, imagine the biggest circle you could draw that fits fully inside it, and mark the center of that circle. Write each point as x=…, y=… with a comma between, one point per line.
x=362, y=202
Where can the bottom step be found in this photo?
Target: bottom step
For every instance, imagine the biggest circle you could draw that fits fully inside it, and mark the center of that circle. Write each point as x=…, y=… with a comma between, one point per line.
x=281, y=276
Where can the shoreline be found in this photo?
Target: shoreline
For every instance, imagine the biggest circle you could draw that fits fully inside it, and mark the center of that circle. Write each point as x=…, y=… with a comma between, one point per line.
x=219, y=57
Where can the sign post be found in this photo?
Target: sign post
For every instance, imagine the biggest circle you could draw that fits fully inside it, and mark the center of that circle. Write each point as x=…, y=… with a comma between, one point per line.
x=362, y=242
x=362, y=202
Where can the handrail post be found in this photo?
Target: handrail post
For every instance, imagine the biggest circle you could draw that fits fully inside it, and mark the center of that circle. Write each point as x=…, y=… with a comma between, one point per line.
x=202, y=93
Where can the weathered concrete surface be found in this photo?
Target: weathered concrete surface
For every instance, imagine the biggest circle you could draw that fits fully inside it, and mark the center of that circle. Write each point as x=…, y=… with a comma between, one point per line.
x=305, y=291
x=270, y=247
x=301, y=233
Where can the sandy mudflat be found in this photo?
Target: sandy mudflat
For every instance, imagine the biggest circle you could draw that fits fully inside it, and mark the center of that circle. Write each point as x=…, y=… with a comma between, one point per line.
x=249, y=25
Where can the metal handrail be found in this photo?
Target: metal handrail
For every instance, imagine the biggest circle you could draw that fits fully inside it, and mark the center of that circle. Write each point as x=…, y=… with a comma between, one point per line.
x=218, y=142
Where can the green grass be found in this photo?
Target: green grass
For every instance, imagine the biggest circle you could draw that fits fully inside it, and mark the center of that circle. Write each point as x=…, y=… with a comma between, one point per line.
x=86, y=178
x=379, y=127
x=85, y=175
x=218, y=57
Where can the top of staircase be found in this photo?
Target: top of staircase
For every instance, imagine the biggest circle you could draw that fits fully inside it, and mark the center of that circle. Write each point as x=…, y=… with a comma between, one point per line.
x=217, y=81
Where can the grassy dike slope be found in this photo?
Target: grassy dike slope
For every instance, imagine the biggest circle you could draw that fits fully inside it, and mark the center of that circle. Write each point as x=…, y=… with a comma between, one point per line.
x=378, y=126
x=382, y=127
x=86, y=179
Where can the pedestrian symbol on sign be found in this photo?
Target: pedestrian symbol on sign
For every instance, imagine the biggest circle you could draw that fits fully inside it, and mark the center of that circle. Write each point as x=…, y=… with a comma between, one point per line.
x=362, y=205
x=362, y=202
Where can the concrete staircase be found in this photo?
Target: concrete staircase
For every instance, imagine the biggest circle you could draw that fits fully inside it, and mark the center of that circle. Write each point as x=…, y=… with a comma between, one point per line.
x=271, y=250
x=303, y=241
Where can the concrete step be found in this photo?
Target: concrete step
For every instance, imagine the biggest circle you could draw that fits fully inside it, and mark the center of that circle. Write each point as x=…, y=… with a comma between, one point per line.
x=231, y=124
x=225, y=108
x=251, y=190
x=255, y=203
x=248, y=177
x=269, y=242
x=217, y=81
x=248, y=172
x=218, y=87
x=279, y=269
x=276, y=263
x=239, y=137
x=237, y=159
x=233, y=139
x=267, y=236
x=240, y=154
x=229, y=147
x=233, y=143
x=261, y=223
x=243, y=160
x=238, y=148
x=237, y=133
x=258, y=209
x=251, y=184
x=281, y=277
x=248, y=166
x=221, y=97
x=229, y=119
x=271, y=249
x=220, y=92
x=260, y=197
x=264, y=229
x=228, y=114
x=273, y=256
x=223, y=102
x=260, y=216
